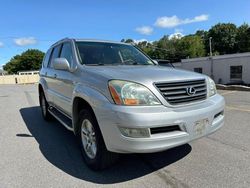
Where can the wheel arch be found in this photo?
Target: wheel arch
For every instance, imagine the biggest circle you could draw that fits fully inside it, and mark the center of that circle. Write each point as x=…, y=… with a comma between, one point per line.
x=40, y=91
x=42, y=87
x=86, y=97
x=78, y=104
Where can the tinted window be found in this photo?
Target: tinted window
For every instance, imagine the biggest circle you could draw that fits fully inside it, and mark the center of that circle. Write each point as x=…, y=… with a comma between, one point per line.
x=55, y=54
x=236, y=72
x=46, y=58
x=67, y=52
x=198, y=69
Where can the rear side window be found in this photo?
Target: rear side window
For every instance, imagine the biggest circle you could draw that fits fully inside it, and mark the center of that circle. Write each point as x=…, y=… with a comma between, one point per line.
x=67, y=52
x=46, y=58
x=55, y=54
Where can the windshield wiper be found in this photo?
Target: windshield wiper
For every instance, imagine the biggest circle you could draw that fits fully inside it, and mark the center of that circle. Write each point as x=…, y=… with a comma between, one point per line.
x=135, y=63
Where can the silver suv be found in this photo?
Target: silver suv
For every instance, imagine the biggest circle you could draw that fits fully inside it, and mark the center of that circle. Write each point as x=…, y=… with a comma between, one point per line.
x=116, y=99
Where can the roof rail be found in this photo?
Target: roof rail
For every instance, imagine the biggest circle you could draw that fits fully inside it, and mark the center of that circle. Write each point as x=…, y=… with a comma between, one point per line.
x=66, y=38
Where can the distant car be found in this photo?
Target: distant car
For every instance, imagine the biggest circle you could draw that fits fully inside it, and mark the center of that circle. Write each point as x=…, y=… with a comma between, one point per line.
x=117, y=100
x=164, y=62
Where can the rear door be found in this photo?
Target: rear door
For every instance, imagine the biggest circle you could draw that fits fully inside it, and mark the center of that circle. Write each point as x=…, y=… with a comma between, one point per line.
x=44, y=71
x=50, y=75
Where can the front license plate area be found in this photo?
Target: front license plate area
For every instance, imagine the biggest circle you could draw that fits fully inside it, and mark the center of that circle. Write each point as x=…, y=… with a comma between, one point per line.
x=200, y=127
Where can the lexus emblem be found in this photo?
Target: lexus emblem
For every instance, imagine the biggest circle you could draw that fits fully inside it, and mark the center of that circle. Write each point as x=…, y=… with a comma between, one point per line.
x=191, y=91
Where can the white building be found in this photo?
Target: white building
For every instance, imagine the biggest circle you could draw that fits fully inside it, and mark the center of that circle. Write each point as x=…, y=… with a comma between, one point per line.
x=224, y=69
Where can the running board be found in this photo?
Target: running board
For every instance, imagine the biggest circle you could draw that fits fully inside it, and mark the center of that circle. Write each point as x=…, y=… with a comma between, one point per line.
x=63, y=119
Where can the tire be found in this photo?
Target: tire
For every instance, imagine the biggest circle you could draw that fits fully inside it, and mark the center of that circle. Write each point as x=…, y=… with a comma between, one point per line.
x=97, y=157
x=44, y=107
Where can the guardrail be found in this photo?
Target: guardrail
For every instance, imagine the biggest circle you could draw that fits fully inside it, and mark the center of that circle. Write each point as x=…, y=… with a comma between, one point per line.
x=19, y=79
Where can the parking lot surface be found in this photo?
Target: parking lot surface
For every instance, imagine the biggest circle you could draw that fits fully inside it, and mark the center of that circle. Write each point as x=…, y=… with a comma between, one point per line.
x=34, y=153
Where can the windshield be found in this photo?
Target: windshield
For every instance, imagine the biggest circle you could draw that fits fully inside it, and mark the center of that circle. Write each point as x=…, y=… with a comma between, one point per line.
x=100, y=53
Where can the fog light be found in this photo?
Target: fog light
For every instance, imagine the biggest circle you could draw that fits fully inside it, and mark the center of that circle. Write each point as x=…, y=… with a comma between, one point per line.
x=135, y=133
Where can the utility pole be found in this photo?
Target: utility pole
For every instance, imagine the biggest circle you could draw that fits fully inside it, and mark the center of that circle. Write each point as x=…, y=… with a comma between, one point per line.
x=211, y=58
x=210, y=46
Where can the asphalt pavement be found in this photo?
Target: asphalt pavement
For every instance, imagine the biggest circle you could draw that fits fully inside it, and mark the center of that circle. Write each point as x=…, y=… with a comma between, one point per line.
x=35, y=153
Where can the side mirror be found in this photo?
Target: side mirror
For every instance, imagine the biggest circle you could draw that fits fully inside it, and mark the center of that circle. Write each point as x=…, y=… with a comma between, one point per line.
x=61, y=64
x=155, y=61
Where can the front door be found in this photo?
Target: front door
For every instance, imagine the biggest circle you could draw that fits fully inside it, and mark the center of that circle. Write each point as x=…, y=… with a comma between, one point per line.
x=64, y=82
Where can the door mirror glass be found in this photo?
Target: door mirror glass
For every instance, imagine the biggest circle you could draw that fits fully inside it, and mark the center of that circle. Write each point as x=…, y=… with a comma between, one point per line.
x=61, y=64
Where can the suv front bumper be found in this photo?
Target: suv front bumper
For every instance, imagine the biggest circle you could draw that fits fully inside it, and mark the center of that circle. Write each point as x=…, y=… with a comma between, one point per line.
x=110, y=117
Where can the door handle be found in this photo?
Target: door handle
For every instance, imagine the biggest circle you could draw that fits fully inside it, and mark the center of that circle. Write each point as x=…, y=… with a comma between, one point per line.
x=55, y=75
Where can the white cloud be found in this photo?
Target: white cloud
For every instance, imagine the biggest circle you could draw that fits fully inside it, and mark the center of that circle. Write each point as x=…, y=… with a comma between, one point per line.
x=24, y=41
x=140, y=40
x=178, y=33
x=145, y=30
x=1, y=44
x=173, y=21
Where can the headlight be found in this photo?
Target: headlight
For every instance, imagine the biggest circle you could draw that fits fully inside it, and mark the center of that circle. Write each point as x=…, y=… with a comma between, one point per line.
x=130, y=93
x=211, y=87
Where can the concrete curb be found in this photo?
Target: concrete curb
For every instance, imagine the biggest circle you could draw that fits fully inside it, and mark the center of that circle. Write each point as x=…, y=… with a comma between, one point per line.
x=233, y=87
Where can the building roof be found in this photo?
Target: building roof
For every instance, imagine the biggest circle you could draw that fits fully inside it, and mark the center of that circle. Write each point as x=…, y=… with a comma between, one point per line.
x=246, y=54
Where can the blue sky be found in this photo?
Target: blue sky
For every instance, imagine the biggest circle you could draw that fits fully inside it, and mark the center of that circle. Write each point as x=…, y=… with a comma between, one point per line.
x=37, y=24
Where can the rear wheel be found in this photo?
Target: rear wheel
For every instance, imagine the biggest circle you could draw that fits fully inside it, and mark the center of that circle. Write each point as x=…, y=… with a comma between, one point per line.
x=44, y=107
x=93, y=148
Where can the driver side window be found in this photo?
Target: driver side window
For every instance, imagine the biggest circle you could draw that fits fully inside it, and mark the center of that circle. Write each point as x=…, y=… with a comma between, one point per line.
x=67, y=52
x=55, y=54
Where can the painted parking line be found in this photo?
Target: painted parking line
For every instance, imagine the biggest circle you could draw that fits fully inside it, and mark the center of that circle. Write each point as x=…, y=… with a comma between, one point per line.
x=228, y=92
x=238, y=108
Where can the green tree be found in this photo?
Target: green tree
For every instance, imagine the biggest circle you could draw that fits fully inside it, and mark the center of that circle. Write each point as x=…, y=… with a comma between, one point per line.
x=202, y=33
x=127, y=40
x=167, y=48
x=177, y=48
x=28, y=60
x=192, y=46
x=243, y=38
x=224, y=38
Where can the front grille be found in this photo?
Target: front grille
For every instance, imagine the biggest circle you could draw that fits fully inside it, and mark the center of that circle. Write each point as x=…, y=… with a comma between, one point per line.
x=182, y=92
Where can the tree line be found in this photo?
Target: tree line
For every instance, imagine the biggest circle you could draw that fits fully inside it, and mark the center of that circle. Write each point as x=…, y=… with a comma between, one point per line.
x=28, y=60
x=226, y=38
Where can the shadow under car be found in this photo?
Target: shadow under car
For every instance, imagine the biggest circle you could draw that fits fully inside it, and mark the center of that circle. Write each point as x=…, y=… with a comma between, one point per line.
x=59, y=146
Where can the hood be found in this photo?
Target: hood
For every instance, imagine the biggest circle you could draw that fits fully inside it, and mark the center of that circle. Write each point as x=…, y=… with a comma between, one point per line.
x=145, y=73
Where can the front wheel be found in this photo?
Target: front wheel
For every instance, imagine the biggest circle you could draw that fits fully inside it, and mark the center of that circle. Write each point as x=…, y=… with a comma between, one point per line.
x=93, y=148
